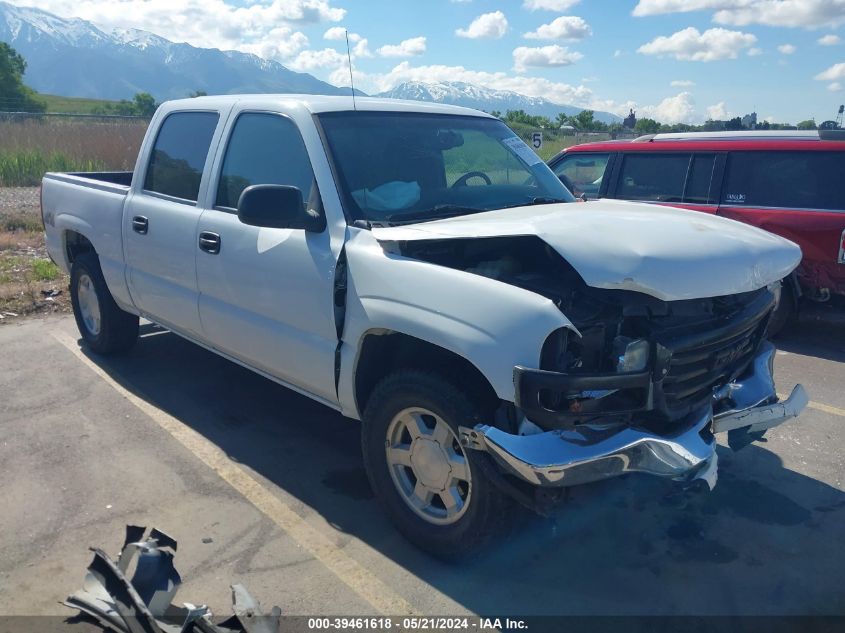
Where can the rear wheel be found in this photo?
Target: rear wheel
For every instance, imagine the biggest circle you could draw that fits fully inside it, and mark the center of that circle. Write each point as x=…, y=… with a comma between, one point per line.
x=105, y=327
x=433, y=489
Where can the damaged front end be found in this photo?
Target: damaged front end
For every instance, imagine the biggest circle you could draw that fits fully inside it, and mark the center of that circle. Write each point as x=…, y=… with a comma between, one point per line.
x=144, y=603
x=637, y=384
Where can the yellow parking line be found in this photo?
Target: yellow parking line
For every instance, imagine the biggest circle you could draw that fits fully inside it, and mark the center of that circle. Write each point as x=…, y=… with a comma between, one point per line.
x=820, y=406
x=381, y=597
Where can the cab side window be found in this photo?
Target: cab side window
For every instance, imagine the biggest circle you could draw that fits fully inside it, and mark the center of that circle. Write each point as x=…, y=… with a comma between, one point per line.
x=264, y=149
x=583, y=173
x=179, y=154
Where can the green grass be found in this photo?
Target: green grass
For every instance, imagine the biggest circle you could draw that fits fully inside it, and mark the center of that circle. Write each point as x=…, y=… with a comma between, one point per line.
x=44, y=270
x=73, y=105
x=21, y=222
x=26, y=168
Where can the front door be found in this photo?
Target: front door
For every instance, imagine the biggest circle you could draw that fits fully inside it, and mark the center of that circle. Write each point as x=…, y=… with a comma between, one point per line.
x=266, y=295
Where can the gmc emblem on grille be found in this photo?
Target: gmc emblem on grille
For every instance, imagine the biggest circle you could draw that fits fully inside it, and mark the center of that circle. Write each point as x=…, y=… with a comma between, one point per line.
x=730, y=355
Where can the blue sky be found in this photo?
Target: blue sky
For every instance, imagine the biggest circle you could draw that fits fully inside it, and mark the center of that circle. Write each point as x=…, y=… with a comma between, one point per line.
x=783, y=58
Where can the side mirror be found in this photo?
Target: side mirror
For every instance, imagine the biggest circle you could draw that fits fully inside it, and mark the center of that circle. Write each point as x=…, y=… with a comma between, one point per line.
x=277, y=207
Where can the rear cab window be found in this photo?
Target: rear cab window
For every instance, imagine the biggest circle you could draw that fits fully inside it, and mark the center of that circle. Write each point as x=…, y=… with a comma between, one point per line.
x=583, y=173
x=179, y=154
x=785, y=179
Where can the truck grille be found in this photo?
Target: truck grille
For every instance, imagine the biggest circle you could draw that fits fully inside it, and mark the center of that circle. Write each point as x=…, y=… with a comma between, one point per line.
x=698, y=364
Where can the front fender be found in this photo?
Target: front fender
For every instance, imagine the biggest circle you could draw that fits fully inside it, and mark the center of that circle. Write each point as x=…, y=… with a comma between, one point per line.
x=493, y=325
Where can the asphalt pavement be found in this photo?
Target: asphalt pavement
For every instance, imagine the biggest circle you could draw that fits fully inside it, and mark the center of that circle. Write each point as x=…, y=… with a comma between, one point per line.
x=264, y=487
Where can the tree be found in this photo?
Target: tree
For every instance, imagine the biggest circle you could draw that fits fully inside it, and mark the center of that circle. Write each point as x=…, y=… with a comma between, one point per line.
x=145, y=104
x=646, y=126
x=809, y=124
x=142, y=104
x=734, y=124
x=584, y=120
x=14, y=95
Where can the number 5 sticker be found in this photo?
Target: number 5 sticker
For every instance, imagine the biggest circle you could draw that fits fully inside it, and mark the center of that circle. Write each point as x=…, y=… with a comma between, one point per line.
x=537, y=140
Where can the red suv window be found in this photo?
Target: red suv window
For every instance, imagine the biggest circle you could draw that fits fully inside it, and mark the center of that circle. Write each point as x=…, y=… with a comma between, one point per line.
x=792, y=180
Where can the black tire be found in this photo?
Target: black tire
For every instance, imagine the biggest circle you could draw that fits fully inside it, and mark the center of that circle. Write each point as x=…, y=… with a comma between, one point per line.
x=785, y=313
x=118, y=330
x=487, y=508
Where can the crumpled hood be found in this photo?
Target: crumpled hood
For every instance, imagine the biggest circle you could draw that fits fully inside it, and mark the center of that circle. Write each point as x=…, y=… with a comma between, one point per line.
x=668, y=253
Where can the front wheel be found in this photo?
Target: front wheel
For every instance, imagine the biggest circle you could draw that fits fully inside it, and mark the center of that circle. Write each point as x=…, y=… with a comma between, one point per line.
x=432, y=488
x=785, y=312
x=105, y=327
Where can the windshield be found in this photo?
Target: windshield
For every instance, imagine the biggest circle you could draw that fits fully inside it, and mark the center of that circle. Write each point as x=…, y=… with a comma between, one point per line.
x=413, y=167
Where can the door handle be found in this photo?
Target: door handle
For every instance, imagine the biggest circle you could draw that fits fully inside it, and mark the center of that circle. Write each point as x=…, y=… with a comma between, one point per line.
x=140, y=224
x=210, y=242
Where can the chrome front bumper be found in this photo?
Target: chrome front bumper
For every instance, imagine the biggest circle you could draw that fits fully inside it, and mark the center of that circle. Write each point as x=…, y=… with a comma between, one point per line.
x=595, y=452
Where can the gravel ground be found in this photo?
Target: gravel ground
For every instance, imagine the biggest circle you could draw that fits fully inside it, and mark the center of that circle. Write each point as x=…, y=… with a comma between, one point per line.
x=14, y=200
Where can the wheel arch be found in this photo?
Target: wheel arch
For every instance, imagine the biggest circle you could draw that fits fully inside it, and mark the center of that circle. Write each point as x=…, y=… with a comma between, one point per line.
x=383, y=351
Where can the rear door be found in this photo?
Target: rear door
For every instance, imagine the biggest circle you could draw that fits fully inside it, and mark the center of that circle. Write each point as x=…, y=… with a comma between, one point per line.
x=689, y=180
x=266, y=294
x=161, y=218
x=799, y=195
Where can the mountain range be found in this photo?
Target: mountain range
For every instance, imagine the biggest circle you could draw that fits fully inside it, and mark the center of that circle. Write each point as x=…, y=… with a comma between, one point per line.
x=73, y=57
x=488, y=99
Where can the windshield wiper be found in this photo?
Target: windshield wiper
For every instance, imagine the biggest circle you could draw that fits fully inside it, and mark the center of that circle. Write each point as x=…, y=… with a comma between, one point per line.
x=438, y=212
x=536, y=201
x=542, y=200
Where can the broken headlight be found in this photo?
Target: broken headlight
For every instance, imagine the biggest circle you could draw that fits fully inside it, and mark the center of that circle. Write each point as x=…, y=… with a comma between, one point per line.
x=630, y=354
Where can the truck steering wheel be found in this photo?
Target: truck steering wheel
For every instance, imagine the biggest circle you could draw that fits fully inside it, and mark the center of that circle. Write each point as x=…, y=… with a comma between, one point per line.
x=462, y=181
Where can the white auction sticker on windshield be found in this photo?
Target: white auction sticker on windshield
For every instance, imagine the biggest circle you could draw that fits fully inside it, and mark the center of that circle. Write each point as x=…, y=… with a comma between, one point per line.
x=525, y=153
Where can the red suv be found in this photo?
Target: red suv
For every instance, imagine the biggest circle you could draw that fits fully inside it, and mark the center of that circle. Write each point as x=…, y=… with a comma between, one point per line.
x=789, y=183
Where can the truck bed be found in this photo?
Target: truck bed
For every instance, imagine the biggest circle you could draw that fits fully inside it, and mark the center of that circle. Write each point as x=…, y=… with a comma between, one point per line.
x=117, y=181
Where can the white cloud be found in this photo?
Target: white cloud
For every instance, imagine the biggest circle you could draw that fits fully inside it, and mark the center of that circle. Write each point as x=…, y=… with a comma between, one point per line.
x=787, y=49
x=488, y=25
x=362, y=49
x=566, y=27
x=794, y=13
x=682, y=83
x=339, y=33
x=554, y=55
x=406, y=48
x=829, y=40
x=549, y=5
x=754, y=52
x=264, y=27
x=718, y=112
x=314, y=59
x=834, y=73
x=691, y=45
x=835, y=86
x=677, y=109
x=618, y=53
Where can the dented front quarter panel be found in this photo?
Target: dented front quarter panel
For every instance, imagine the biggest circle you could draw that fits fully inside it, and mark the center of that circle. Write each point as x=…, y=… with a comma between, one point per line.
x=493, y=325
x=671, y=254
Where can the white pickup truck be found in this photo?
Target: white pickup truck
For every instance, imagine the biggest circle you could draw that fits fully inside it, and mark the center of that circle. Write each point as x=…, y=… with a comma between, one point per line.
x=418, y=268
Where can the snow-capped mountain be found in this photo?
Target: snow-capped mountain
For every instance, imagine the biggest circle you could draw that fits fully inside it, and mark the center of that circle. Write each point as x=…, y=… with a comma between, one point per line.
x=75, y=58
x=472, y=96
